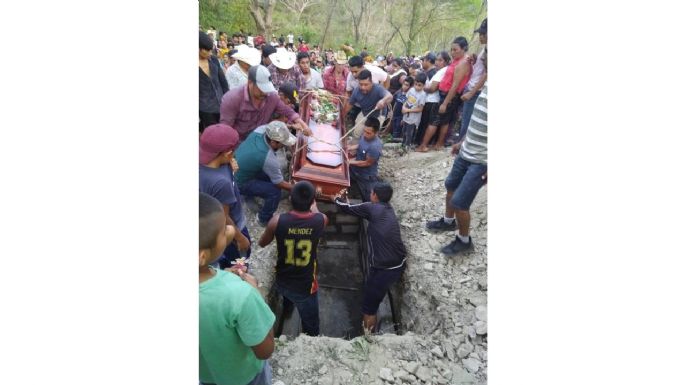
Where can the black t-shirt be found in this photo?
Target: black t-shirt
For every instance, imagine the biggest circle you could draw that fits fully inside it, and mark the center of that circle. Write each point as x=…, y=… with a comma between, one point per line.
x=297, y=237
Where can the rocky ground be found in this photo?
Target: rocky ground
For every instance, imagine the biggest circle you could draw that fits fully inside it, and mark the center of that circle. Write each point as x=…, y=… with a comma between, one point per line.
x=444, y=302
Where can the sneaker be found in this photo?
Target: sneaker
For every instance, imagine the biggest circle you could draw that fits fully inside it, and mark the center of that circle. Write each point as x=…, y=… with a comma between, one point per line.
x=457, y=246
x=441, y=225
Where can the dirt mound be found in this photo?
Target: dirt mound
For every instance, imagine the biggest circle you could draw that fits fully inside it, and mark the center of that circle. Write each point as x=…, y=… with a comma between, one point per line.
x=444, y=300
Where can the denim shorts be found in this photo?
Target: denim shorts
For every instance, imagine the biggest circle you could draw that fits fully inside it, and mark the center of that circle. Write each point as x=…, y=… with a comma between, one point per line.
x=465, y=179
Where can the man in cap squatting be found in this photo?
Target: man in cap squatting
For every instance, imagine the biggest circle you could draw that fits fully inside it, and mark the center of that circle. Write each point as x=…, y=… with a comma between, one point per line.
x=246, y=57
x=260, y=173
x=251, y=105
x=283, y=69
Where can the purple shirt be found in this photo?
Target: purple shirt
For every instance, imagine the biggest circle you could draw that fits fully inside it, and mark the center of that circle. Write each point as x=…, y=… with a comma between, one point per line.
x=238, y=112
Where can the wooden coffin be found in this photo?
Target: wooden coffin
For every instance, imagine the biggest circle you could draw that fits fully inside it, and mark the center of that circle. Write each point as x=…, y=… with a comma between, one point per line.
x=321, y=158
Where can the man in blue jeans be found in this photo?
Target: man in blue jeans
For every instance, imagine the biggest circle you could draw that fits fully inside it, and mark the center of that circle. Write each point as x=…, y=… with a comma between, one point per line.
x=259, y=171
x=297, y=238
x=469, y=173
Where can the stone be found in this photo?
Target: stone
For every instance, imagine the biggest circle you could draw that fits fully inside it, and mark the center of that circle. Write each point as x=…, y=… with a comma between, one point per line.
x=482, y=313
x=279, y=382
x=280, y=371
x=481, y=328
x=345, y=219
x=471, y=332
x=464, y=349
x=412, y=366
x=450, y=353
x=337, y=244
x=428, y=266
x=477, y=299
x=437, y=352
x=424, y=374
x=326, y=207
x=323, y=370
x=386, y=374
x=471, y=364
x=349, y=229
x=401, y=374
x=283, y=338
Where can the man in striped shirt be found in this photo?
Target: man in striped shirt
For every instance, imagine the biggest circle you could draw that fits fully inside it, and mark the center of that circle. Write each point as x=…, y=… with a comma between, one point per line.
x=469, y=173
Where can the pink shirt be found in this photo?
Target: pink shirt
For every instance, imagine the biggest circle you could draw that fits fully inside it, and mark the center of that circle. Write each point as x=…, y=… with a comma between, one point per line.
x=238, y=111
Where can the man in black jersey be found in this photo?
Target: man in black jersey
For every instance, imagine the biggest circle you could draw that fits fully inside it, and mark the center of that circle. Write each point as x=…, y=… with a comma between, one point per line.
x=297, y=237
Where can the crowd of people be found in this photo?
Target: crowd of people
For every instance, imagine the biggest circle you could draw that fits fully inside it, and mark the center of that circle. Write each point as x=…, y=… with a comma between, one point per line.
x=248, y=104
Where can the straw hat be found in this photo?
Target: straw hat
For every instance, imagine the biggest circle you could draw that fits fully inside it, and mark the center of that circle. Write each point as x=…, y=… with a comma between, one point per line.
x=283, y=59
x=249, y=55
x=340, y=57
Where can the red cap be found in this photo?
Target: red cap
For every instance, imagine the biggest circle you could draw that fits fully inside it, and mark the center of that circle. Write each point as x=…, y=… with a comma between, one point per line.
x=216, y=139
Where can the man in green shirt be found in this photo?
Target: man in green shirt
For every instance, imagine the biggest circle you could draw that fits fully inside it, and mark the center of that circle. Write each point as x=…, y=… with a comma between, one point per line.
x=236, y=335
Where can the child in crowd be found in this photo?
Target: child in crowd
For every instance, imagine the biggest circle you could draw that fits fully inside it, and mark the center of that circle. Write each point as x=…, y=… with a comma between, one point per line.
x=297, y=238
x=397, y=102
x=412, y=108
x=387, y=254
x=235, y=323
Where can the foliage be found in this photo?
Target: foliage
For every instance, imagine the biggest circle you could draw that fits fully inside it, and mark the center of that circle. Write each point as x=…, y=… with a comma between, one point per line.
x=228, y=16
x=402, y=26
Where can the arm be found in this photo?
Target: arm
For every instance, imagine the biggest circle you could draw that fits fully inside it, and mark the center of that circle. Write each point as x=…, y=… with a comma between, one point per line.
x=229, y=109
x=264, y=350
x=475, y=88
x=284, y=110
x=269, y=232
x=284, y=186
x=241, y=240
x=300, y=125
x=386, y=82
x=360, y=210
x=315, y=209
x=369, y=161
x=385, y=101
x=222, y=77
x=433, y=87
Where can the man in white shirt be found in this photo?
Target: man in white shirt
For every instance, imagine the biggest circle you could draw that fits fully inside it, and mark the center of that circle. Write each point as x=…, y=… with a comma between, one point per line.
x=356, y=63
x=313, y=78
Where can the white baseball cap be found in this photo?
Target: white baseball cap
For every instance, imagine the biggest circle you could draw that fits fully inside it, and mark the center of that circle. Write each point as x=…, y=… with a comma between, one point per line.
x=261, y=76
